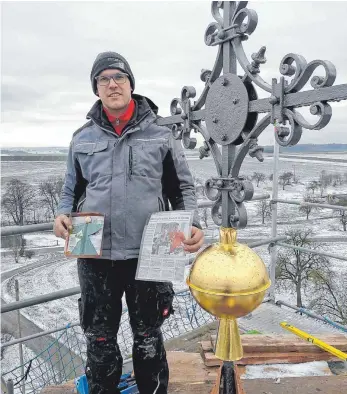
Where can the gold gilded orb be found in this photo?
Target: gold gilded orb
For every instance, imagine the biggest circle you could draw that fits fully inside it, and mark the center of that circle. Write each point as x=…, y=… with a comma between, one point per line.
x=228, y=280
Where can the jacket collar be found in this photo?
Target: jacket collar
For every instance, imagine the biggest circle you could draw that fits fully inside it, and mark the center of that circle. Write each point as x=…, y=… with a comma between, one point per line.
x=144, y=107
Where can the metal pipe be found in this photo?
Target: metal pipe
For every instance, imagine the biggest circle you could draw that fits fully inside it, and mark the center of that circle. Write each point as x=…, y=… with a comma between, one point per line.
x=311, y=204
x=10, y=388
x=228, y=155
x=208, y=203
x=313, y=315
x=40, y=299
x=260, y=197
x=334, y=256
x=38, y=335
x=267, y=241
x=29, y=228
x=76, y=290
x=274, y=212
x=32, y=228
x=21, y=359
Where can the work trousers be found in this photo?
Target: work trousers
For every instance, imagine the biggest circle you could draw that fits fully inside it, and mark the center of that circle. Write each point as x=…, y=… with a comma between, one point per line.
x=103, y=283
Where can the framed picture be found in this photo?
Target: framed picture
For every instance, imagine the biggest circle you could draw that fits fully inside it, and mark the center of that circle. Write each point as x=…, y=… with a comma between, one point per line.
x=85, y=238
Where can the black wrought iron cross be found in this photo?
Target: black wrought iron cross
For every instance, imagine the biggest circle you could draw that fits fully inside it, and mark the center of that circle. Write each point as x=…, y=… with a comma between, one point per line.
x=231, y=107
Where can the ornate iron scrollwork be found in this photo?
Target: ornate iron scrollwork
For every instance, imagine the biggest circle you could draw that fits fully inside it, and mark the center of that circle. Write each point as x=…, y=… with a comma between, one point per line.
x=229, y=106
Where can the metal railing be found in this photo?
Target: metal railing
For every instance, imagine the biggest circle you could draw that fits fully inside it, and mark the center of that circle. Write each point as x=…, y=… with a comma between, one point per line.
x=32, y=228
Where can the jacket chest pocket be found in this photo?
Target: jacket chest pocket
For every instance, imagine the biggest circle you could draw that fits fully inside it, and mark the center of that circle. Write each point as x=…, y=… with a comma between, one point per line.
x=94, y=158
x=146, y=157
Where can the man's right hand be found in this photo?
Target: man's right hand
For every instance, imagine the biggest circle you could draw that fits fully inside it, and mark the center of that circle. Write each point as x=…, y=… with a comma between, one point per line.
x=62, y=225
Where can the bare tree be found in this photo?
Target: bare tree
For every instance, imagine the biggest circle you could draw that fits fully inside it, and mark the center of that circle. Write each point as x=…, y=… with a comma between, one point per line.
x=5, y=337
x=204, y=215
x=199, y=187
x=295, y=268
x=307, y=209
x=323, y=182
x=264, y=209
x=337, y=179
x=285, y=178
x=15, y=244
x=342, y=215
x=17, y=202
x=330, y=295
x=18, y=199
x=258, y=177
x=313, y=185
x=296, y=178
x=50, y=190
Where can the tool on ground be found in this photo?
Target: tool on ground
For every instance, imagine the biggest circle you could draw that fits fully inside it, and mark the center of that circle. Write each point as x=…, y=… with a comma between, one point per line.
x=315, y=341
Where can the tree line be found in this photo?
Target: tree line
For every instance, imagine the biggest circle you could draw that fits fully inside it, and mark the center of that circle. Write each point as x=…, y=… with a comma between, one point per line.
x=319, y=185
x=311, y=274
x=23, y=203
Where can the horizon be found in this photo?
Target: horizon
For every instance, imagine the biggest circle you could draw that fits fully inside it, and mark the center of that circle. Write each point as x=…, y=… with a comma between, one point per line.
x=186, y=150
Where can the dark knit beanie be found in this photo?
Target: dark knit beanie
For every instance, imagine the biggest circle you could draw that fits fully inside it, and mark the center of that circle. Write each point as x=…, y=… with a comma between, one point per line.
x=107, y=60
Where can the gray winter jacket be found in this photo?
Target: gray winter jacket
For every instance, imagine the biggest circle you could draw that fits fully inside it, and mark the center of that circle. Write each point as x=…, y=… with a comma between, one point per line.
x=126, y=178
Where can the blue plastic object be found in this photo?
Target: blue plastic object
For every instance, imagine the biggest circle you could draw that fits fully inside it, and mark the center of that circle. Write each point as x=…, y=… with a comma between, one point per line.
x=127, y=384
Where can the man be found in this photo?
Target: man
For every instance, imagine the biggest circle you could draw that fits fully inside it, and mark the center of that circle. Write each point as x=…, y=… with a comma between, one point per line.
x=126, y=167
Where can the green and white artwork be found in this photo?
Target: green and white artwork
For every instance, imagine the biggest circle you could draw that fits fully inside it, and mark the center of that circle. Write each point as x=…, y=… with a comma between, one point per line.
x=85, y=239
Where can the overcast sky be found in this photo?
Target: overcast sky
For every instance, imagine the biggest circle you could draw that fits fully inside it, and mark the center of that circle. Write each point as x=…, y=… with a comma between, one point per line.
x=48, y=49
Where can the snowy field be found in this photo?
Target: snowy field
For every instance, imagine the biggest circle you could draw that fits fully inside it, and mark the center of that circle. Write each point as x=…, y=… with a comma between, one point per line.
x=325, y=155
x=62, y=272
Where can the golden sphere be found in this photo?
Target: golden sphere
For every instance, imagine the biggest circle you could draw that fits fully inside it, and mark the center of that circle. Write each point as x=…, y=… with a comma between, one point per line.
x=228, y=279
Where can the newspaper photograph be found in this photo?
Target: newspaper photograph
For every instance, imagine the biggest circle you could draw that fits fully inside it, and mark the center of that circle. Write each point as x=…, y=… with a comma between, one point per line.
x=162, y=255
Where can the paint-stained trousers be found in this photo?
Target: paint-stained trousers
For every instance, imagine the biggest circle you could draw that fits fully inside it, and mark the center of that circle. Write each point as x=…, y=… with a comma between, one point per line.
x=103, y=283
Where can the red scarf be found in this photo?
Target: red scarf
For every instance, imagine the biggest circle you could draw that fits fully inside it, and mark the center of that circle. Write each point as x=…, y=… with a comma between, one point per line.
x=120, y=122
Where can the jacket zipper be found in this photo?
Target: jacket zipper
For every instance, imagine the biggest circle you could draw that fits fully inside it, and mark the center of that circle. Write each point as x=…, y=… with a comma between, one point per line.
x=130, y=162
x=80, y=205
x=161, y=205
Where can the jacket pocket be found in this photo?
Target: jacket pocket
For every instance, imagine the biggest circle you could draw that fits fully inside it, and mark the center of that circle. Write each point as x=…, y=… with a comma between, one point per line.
x=90, y=148
x=165, y=301
x=94, y=158
x=146, y=157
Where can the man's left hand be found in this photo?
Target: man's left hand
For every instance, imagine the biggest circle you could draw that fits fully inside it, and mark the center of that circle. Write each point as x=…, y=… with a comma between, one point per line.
x=194, y=243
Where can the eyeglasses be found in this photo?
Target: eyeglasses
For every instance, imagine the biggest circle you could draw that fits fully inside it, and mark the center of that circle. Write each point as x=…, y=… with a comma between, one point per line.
x=118, y=78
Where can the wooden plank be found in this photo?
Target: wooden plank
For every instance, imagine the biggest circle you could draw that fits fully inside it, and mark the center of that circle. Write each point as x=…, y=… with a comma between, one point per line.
x=189, y=368
x=306, y=384
x=206, y=346
x=260, y=343
x=210, y=360
x=188, y=374
x=66, y=388
x=284, y=358
x=190, y=388
x=239, y=384
x=217, y=384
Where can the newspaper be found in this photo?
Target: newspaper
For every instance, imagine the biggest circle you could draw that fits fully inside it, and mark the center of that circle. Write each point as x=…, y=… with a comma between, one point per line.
x=162, y=255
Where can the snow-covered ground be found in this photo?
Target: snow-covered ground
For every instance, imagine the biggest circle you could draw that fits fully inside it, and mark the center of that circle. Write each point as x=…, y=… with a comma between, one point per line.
x=36, y=242
x=278, y=371
x=11, y=355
